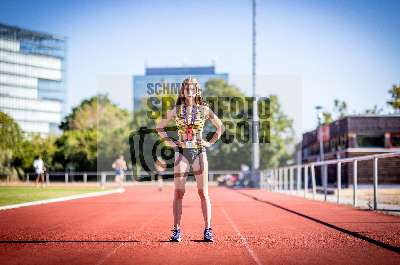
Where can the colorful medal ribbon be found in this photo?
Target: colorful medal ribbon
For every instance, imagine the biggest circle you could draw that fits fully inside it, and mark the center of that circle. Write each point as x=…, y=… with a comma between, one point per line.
x=189, y=129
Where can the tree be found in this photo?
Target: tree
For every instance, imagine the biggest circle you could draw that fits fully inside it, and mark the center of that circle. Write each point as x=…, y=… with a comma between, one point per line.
x=33, y=146
x=374, y=110
x=339, y=108
x=231, y=155
x=228, y=155
x=94, y=134
x=395, y=98
x=339, y=111
x=98, y=112
x=77, y=150
x=327, y=117
x=11, y=138
x=276, y=152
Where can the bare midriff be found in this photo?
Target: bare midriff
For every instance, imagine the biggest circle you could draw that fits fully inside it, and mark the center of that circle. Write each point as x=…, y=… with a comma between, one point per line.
x=196, y=141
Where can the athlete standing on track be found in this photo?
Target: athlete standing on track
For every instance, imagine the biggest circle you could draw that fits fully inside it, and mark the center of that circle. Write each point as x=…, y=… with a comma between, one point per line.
x=190, y=113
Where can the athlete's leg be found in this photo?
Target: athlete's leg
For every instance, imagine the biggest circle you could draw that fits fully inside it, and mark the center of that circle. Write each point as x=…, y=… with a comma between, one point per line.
x=117, y=179
x=42, y=178
x=181, y=170
x=37, y=179
x=121, y=179
x=200, y=170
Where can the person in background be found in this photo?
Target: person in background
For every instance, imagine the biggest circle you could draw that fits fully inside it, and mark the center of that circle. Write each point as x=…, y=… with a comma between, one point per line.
x=120, y=166
x=38, y=164
x=244, y=171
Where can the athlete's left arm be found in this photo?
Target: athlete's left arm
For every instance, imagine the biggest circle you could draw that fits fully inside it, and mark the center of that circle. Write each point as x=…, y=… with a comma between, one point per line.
x=217, y=123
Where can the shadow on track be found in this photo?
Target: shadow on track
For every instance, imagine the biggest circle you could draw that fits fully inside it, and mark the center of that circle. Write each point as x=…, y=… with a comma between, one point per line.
x=340, y=229
x=64, y=241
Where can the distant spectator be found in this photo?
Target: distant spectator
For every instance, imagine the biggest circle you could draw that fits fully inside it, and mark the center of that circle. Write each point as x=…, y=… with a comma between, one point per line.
x=120, y=166
x=243, y=176
x=38, y=164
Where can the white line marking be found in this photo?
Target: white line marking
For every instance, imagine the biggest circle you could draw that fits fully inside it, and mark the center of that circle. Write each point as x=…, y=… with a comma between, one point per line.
x=243, y=239
x=112, y=252
x=62, y=199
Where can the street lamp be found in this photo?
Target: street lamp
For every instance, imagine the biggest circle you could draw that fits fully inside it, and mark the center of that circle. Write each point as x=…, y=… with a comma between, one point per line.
x=255, y=154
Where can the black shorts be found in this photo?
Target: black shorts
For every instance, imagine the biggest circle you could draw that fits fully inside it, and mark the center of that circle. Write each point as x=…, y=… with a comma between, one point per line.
x=191, y=153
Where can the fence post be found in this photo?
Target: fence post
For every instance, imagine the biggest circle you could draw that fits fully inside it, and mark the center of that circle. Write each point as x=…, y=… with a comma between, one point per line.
x=272, y=184
x=47, y=178
x=291, y=178
x=313, y=180
x=298, y=178
x=325, y=180
x=339, y=180
x=84, y=177
x=27, y=177
x=264, y=175
x=305, y=180
x=103, y=179
x=279, y=179
x=375, y=168
x=355, y=183
x=66, y=177
x=285, y=179
x=276, y=182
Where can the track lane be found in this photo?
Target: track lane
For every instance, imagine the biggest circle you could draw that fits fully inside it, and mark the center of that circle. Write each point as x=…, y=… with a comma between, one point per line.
x=134, y=228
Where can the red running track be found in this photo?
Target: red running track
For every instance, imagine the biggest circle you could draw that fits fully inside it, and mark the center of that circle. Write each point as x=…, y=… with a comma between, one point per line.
x=250, y=227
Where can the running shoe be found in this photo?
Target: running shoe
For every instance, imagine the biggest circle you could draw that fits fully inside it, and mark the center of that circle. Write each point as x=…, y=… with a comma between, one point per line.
x=176, y=235
x=208, y=236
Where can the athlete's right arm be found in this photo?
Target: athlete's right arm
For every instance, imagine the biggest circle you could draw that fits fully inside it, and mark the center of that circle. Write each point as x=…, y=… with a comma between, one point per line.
x=163, y=123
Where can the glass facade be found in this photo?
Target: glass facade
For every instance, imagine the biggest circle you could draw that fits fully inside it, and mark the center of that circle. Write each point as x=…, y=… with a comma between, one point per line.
x=32, y=78
x=157, y=79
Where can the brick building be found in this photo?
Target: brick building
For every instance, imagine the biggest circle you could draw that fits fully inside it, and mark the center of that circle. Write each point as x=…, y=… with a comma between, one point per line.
x=356, y=135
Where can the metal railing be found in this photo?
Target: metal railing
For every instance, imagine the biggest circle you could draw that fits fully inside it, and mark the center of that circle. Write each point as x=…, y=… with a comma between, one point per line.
x=101, y=177
x=283, y=178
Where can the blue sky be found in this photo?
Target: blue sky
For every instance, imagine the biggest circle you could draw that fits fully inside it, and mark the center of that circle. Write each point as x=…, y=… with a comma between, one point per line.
x=338, y=49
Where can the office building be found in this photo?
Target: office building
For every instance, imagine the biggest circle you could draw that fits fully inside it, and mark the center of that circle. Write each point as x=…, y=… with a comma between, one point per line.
x=32, y=78
x=170, y=78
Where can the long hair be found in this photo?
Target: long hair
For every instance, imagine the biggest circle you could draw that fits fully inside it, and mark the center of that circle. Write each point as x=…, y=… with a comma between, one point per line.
x=198, y=99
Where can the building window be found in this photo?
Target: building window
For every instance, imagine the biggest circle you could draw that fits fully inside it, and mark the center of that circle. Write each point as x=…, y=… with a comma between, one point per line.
x=370, y=140
x=306, y=152
x=395, y=139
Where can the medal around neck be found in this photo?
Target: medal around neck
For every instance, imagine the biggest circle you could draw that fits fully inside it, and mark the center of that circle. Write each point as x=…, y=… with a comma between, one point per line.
x=189, y=127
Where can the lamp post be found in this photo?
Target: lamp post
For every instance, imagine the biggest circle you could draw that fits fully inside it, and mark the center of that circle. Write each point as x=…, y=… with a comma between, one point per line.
x=321, y=149
x=255, y=158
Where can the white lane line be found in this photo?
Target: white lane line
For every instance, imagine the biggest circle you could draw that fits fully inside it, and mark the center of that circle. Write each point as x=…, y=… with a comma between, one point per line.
x=62, y=199
x=112, y=252
x=243, y=239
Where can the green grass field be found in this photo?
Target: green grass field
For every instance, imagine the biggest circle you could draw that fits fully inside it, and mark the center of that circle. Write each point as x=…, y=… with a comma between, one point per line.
x=19, y=194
